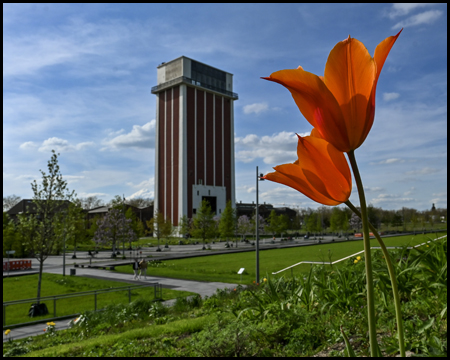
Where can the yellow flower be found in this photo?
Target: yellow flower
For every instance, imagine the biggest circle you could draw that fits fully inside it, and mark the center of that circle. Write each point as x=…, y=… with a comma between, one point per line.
x=358, y=258
x=265, y=279
x=355, y=261
x=7, y=332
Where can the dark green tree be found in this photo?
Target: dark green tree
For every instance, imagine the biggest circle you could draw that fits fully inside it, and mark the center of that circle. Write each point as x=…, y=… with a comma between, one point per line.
x=397, y=219
x=227, y=223
x=284, y=224
x=273, y=223
x=185, y=226
x=203, y=225
x=336, y=219
x=11, y=238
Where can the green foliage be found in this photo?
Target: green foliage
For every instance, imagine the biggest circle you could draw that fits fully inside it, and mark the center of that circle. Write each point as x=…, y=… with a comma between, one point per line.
x=23, y=287
x=12, y=239
x=338, y=219
x=227, y=223
x=300, y=316
x=160, y=227
x=42, y=231
x=203, y=225
x=396, y=220
x=272, y=223
x=185, y=225
x=313, y=223
x=277, y=224
x=136, y=224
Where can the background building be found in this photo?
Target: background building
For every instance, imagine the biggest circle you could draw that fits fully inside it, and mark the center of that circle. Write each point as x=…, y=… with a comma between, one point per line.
x=194, y=138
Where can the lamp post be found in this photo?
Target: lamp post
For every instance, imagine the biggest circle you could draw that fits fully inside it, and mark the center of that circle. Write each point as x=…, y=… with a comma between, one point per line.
x=258, y=178
x=64, y=243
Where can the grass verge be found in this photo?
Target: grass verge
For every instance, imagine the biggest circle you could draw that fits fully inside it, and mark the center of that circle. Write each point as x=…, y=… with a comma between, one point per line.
x=84, y=347
x=24, y=287
x=223, y=268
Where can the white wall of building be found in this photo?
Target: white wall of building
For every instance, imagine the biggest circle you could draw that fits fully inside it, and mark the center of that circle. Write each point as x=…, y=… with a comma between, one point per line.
x=220, y=192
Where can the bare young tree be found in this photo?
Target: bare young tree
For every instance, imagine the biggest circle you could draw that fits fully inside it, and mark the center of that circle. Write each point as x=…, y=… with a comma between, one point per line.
x=9, y=201
x=90, y=202
x=160, y=227
x=140, y=202
x=112, y=228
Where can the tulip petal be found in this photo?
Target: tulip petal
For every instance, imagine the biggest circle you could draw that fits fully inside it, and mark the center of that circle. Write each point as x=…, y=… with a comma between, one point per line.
x=316, y=103
x=333, y=171
x=380, y=55
x=382, y=51
x=316, y=133
x=350, y=74
x=321, y=172
x=292, y=176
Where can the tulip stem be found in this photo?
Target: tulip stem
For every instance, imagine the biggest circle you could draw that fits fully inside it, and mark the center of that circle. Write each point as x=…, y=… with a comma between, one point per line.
x=368, y=260
x=398, y=311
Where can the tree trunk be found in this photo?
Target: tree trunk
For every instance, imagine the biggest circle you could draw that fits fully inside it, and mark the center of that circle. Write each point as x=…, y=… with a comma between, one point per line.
x=41, y=266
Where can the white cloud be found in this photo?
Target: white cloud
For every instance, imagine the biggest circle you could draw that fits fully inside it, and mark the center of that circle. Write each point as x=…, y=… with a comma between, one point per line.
x=426, y=17
x=284, y=196
x=28, y=145
x=72, y=178
x=255, y=108
x=61, y=145
x=390, y=96
x=146, y=183
x=274, y=150
x=424, y=171
x=390, y=198
x=388, y=161
x=27, y=177
x=369, y=189
x=410, y=191
x=440, y=194
x=144, y=193
x=402, y=9
x=140, y=137
x=98, y=194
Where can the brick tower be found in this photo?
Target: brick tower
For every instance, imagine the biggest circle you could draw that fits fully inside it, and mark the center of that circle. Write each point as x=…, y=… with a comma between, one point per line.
x=194, y=151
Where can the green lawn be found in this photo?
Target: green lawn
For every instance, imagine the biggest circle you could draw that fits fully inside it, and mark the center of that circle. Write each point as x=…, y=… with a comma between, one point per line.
x=224, y=268
x=25, y=287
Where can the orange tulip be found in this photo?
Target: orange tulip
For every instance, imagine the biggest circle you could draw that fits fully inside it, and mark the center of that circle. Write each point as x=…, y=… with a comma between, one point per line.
x=321, y=172
x=341, y=104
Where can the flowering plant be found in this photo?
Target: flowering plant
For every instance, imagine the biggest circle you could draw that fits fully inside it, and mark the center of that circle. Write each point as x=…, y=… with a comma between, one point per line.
x=50, y=328
x=341, y=107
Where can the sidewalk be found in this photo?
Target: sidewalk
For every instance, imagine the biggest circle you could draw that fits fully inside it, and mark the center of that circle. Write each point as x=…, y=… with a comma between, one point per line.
x=201, y=288
x=173, y=252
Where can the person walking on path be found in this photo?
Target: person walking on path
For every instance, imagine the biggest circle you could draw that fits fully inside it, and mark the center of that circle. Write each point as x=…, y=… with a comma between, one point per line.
x=136, y=269
x=143, y=269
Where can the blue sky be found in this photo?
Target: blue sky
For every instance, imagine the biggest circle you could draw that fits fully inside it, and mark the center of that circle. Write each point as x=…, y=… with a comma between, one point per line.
x=77, y=79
